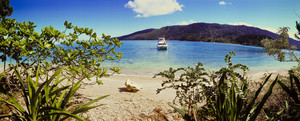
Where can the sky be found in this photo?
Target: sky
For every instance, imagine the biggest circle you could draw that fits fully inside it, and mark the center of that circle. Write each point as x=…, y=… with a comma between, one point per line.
x=121, y=17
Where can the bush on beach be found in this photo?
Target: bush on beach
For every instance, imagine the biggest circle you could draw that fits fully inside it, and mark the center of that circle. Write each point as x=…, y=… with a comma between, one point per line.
x=228, y=99
x=46, y=56
x=52, y=49
x=224, y=94
x=45, y=101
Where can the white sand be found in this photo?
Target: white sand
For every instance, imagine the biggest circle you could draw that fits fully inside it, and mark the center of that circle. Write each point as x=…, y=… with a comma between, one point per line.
x=124, y=105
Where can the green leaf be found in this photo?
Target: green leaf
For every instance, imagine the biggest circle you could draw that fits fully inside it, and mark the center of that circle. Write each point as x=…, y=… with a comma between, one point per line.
x=94, y=35
x=66, y=23
x=296, y=81
x=182, y=112
x=12, y=116
x=86, y=108
x=69, y=95
x=66, y=114
x=287, y=90
x=56, y=74
x=24, y=92
x=58, y=91
x=95, y=100
x=99, y=82
x=15, y=105
x=263, y=100
x=252, y=102
x=61, y=97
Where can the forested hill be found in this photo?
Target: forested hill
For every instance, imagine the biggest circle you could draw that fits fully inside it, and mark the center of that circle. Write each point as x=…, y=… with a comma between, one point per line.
x=206, y=32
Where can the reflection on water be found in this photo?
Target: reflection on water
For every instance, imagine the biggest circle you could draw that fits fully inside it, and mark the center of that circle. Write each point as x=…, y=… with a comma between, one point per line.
x=162, y=53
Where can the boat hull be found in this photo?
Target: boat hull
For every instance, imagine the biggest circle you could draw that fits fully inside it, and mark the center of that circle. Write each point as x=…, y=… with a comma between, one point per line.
x=162, y=47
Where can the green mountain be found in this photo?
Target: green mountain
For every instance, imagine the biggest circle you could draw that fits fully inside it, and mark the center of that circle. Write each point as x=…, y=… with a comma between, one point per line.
x=205, y=32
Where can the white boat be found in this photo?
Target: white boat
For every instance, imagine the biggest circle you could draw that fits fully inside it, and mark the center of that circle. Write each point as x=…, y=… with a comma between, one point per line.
x=162, y=45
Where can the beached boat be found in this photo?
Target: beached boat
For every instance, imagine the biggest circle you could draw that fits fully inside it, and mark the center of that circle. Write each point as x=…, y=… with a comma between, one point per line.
x=162, y=45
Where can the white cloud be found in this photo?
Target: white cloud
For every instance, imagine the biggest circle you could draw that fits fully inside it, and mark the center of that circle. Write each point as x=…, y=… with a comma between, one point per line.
x=291, y=33
x=246, y=24
x=183, y=23
x=186, y=22
x=147, y=8
x=192, y=21
x=222, y=3
x=269, y=29
x=241, y=23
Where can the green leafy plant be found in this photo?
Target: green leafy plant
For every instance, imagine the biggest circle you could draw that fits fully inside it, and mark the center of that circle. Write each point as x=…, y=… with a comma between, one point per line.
x=225, y=93
x=78, y=48
x=276, y=47
x=190, y=86
x=293, y=90
x=46, y=101
x=230, y=101
x=231, y=104
x=270, y=115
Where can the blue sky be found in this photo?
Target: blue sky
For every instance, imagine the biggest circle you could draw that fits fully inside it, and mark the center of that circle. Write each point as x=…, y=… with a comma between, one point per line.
x=120, y=17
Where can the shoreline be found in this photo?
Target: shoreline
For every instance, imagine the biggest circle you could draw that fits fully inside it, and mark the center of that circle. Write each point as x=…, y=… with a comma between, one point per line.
x=250, y=72
x=194, y=41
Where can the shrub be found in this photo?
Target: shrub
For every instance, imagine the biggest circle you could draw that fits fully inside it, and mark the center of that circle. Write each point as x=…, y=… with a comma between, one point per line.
x=293, y=90
x=225, y=94
x=190, y=86
x=52, y=49
x=46, y=101
x=278, y=48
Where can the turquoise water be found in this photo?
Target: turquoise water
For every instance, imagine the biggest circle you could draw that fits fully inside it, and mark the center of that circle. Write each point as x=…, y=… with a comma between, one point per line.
x=141, y=57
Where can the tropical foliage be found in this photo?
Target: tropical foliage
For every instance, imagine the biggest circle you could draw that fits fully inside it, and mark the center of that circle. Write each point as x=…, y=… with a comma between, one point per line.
x=292, y=108
x=76, y=52
x=279, y=48
x=190, y=87
x=276, y=47
x=281, y=45
x=78, y=48
x=225, y=94
x=45, y=101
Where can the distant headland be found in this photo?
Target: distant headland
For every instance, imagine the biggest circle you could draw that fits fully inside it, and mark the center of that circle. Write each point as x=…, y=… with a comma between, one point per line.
x=208, y=32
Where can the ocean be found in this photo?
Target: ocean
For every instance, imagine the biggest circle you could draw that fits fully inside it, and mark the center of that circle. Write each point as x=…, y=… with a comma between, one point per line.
x=141, y=57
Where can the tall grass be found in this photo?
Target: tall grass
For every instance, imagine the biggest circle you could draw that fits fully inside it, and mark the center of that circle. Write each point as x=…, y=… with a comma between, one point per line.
x=46, y=101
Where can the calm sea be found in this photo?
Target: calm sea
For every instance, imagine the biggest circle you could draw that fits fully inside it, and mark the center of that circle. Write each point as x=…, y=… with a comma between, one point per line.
x=142, y=58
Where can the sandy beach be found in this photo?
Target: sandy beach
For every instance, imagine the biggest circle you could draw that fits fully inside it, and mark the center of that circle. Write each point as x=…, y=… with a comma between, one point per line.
x=142, y=105
x=124, y=105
